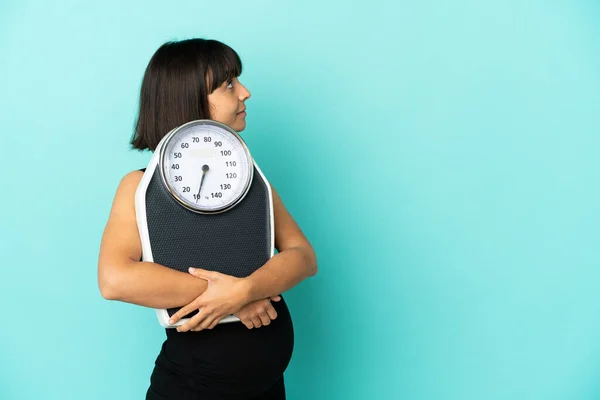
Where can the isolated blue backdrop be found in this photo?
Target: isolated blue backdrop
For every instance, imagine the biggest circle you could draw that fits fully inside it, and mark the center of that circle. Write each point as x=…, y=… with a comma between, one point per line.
x=442, y=157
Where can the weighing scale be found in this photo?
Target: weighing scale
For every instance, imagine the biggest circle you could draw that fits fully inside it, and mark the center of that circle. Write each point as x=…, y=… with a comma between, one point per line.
x=204, y=202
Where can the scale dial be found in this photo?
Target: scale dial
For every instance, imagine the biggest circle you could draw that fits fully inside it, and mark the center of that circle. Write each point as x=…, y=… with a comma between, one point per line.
x=206, y=166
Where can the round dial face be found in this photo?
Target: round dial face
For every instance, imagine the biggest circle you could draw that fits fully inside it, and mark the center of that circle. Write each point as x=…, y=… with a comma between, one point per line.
x=206, y=166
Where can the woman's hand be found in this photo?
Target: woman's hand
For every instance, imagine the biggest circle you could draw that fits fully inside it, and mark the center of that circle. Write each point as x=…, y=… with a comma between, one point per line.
x=258, y=313
x=225, y=295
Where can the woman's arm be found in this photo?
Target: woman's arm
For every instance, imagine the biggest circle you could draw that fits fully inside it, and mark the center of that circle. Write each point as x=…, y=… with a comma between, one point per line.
x=121, y=276
x=295, y=261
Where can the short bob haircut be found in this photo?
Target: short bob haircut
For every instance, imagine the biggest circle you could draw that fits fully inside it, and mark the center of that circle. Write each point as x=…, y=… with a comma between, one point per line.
x=176, y=85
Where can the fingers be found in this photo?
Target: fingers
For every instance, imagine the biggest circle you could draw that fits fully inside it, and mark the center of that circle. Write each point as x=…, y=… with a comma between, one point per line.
x=257, y=314
x=204, y=274
x=208, y=323
x=264, y=318
x=256, y=321
x=183, y=311
x=191, y=323
x=271, y=312
x=201, y=321
x=247, y=322
x=275, y=298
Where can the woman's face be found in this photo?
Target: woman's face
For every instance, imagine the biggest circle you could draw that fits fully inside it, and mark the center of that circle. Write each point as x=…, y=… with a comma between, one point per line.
x=227, y=104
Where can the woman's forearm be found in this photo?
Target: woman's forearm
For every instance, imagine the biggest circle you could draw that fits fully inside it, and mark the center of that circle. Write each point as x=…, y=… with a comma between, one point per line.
x=152, y=285
x=282, y=272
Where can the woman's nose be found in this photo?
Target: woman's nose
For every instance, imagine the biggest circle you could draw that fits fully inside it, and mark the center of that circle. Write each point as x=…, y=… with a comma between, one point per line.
x=245, y=93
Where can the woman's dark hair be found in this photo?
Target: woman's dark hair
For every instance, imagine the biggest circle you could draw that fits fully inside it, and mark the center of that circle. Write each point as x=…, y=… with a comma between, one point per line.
x=176, y=85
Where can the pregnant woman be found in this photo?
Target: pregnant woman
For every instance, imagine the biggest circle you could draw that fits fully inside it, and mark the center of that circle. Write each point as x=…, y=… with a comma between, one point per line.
x=184, y=81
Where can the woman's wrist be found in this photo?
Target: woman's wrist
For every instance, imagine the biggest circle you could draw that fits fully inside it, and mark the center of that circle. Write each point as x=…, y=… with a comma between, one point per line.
x=247, y=291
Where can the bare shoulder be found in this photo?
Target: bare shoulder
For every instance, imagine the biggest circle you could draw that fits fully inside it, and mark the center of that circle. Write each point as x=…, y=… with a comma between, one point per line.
x=131, y=180
x=125, y=195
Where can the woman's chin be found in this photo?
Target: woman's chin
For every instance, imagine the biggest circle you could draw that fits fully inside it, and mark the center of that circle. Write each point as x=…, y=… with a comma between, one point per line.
x=238, y=127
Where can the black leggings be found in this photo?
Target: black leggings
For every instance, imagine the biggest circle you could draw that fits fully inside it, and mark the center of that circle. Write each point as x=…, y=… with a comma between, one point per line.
x=228, y=362
x=277, y=392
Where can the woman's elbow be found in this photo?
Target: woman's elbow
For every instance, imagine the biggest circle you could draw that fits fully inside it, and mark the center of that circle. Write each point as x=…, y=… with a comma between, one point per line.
x=107, y=290
x=312, y=262
x=107, y=283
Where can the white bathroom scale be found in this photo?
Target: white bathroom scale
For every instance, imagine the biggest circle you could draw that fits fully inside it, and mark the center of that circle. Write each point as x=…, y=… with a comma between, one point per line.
x=204, y=202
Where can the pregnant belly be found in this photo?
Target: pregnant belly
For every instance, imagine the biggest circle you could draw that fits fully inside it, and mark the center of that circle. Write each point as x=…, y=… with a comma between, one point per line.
x=230, y=359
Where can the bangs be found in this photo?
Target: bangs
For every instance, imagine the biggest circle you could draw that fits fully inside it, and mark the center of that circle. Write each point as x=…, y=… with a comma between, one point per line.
x=223, y=65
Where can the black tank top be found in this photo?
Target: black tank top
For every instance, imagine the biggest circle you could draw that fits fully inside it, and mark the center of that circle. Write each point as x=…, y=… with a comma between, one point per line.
x=229, y=361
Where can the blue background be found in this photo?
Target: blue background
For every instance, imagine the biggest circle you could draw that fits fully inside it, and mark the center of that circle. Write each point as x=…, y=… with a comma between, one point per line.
x=441, y=157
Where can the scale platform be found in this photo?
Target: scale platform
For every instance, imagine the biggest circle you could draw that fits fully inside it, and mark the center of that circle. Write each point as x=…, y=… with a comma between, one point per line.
x=236, y=242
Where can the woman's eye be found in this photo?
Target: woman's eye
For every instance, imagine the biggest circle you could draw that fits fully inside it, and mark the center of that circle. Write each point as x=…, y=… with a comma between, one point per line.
x=230, y=85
